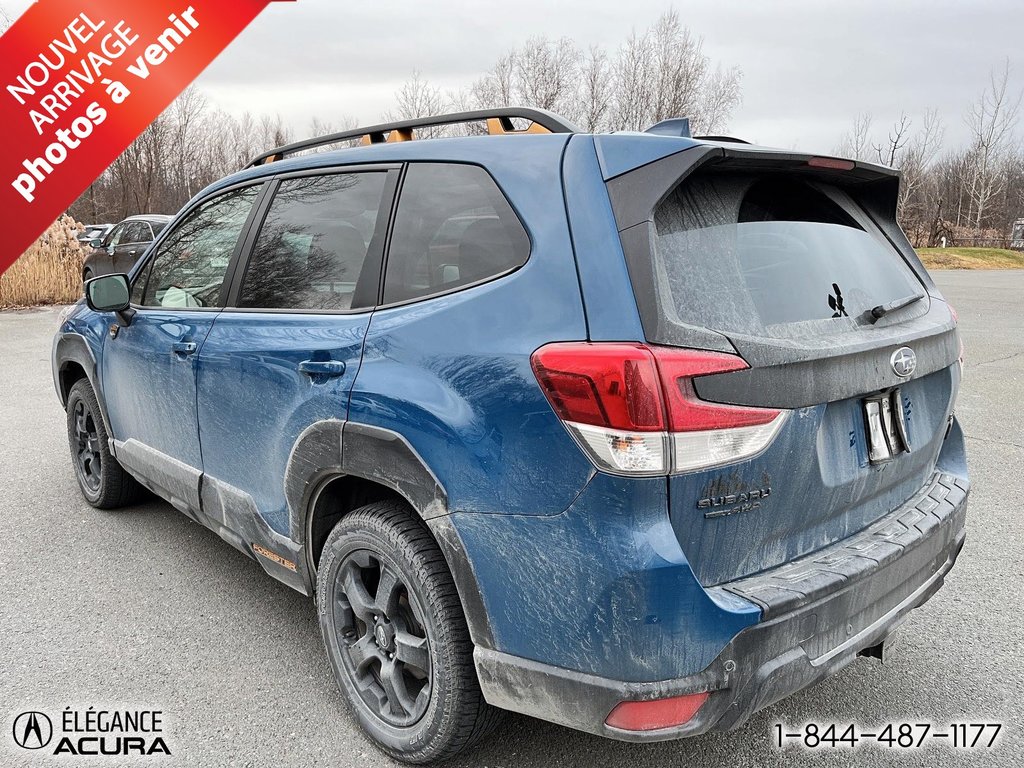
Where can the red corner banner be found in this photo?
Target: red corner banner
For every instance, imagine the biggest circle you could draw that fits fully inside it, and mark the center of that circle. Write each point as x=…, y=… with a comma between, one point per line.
x=81, y=80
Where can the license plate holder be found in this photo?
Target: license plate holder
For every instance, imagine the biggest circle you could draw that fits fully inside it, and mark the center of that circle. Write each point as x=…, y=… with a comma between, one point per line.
x=885, y=426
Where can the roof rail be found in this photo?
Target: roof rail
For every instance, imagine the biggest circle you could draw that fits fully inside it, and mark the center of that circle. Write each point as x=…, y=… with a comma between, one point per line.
x=499, y=122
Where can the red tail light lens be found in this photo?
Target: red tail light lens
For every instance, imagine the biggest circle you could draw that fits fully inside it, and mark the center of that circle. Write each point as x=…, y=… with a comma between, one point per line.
x=605, y=385
x=687, y=412
x=634, y=409
x=654, y=715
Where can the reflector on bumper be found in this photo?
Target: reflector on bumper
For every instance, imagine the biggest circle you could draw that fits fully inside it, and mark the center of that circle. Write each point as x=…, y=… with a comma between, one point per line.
x=657, y=714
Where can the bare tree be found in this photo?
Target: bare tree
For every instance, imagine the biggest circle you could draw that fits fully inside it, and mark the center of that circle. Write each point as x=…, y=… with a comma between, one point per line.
x=680, y=68
x=593, y=111
x=321, y=127
x=659, y=73
x=918, y=190
x=720, y=95
x=496, y=88
x=891, y=151
x=187, y=139
x=545, y=73
x=417, y=98
x=991, y=121
x=633, y=72
x=856, y=143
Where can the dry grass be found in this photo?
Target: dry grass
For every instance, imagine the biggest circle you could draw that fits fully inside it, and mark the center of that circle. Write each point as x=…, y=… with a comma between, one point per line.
x=49, y=272
x=971, y=258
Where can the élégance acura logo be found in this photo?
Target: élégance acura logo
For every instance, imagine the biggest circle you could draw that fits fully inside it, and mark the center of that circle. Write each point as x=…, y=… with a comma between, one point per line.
x=32, y=730
x=92, y=732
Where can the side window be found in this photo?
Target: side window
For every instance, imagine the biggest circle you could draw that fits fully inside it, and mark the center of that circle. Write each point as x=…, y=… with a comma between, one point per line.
x=189, y=266
x=135, y=232
x=114, y=236
x=454, y=227
x=311, y=248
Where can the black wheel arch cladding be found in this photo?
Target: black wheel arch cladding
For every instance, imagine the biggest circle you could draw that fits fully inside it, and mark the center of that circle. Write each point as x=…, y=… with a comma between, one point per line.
x=332, y=449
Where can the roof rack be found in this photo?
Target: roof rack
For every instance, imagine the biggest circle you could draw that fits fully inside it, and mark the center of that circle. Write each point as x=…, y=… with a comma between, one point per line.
x=499, y=122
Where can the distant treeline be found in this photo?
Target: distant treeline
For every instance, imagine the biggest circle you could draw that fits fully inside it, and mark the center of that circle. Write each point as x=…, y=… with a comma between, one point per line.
x=970, y=195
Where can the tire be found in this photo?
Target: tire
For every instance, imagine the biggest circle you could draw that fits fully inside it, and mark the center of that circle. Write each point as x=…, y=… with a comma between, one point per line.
x=87, y=275
x=103, y=482
x=418, y=622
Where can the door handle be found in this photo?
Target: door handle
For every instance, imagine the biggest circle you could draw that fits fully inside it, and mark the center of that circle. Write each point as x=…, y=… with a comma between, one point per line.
x=184, y=348
x=322, y=367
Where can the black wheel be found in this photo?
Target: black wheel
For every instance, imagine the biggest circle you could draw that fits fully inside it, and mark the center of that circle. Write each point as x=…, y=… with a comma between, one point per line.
x=103, y=481
x=87, y=275
x=396, y=636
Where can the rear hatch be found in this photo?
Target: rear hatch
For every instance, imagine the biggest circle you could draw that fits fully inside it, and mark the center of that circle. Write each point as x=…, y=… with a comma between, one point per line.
x=795, y=264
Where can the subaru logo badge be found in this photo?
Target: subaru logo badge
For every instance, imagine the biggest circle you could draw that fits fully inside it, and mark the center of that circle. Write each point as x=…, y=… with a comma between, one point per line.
x=904, y=362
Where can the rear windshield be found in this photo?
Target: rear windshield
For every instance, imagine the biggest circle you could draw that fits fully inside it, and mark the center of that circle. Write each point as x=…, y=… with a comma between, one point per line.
x=771, y=256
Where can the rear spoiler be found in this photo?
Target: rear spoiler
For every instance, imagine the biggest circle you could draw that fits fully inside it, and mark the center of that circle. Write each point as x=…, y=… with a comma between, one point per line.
x=635, y=194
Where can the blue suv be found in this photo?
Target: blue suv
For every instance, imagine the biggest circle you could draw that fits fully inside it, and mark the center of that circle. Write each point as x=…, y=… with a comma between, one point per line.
x=637, y=433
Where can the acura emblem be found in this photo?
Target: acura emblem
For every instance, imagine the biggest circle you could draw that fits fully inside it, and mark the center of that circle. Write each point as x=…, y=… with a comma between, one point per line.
x=32, y=730
x=903, y=362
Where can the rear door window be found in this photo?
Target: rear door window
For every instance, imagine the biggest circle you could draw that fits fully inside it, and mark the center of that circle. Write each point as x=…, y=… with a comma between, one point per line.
x=772, y=256
x=136, y=232
x=453, y=228
x=312, y=247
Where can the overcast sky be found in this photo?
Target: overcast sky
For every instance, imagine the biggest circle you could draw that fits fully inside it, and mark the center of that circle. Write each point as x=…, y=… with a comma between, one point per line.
x=809, y=66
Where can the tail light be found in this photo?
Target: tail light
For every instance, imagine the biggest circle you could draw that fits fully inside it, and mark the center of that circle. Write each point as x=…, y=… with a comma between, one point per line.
x=634, y=410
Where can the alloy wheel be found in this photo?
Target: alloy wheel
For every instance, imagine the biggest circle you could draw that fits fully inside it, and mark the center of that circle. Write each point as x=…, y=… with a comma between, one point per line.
x=384, y=642
x=87, y=448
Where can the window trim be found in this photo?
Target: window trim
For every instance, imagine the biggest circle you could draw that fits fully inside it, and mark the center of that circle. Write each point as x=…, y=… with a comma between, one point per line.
x=143, y=264
x=464, y=286
x=374, y=257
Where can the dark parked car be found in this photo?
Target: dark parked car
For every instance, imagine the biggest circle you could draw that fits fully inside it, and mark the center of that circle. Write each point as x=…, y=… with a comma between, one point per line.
x=123, y=244
x=637, y=433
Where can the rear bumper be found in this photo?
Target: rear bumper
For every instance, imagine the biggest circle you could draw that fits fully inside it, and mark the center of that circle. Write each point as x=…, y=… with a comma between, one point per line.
x=818, y=614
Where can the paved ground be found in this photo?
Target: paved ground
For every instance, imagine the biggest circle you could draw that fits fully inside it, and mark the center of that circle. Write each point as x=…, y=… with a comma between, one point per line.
x=147, y=609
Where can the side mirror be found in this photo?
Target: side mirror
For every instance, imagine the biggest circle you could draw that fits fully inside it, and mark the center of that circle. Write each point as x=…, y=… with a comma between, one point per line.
x=110, y=293
x=96, y=242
